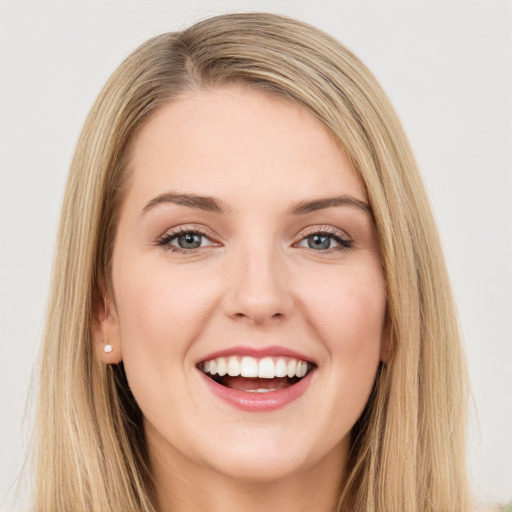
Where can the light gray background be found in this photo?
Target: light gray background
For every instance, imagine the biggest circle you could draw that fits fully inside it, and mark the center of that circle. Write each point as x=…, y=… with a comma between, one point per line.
x=447, y=68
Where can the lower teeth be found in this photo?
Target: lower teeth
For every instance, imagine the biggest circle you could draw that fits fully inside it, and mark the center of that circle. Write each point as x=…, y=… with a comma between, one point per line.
x=259, y=390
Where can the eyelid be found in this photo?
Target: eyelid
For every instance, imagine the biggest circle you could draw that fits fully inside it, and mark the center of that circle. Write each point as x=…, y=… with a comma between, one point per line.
x=327, y=230
x=343, y=240
x=173, y=232
x=198, y=228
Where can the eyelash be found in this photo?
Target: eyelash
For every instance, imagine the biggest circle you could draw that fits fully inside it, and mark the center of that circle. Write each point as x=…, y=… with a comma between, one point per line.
x=165, y=240
x=345, y=243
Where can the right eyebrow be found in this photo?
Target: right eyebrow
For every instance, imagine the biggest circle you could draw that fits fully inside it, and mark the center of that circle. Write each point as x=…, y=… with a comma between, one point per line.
x=206, y=203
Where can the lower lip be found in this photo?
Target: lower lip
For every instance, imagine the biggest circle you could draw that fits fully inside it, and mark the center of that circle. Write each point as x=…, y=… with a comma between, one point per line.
x=258, y=402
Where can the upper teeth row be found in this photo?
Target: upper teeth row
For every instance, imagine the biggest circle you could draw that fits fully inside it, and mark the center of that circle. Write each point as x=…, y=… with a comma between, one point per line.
x=266, y=368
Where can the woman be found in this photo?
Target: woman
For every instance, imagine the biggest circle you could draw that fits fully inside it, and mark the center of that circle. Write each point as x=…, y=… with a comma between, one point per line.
x=250, y=306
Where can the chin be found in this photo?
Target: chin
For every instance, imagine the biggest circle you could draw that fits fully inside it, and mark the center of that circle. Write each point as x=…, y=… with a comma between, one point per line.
x=261, y=468
x=274, y=460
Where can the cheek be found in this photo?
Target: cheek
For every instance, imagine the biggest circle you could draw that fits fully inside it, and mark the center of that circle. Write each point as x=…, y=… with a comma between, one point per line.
x=349, y=318
x=161, y=311
x=353, y=338
x=353, y=310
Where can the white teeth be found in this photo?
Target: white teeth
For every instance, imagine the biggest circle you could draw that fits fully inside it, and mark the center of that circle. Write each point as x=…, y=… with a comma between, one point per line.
x=222, y=367
x=260, y=390
x=281, y=368
x=250, y=367
x=290, y=369
x=301, y=369
x=266, y=368
x=233, y=367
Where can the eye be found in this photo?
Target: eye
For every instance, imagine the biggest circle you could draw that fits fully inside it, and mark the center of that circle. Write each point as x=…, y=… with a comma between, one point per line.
x=189, y=240
x=184, y=241
x=323, y=241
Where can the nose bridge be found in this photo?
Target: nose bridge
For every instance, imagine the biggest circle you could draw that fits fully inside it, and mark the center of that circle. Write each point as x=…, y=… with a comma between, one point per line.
x=258, y=287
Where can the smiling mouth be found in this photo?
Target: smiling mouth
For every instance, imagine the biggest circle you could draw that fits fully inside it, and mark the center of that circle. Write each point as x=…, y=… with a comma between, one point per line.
x=255, y=375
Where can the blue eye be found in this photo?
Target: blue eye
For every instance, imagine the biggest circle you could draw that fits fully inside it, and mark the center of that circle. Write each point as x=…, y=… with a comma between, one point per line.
x=323, y=241
x=189, y=240
x=318, y=241
x=184, y=241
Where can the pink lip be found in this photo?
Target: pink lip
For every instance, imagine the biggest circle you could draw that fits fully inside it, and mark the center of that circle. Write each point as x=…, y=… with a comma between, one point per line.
x=258, y=402
x=258, y=353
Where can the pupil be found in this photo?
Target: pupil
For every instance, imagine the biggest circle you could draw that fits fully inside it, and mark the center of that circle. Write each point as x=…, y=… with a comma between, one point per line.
x=319, y=242
x=189, y=241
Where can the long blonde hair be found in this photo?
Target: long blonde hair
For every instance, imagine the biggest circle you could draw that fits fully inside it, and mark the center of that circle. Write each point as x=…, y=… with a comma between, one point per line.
x=408, y=447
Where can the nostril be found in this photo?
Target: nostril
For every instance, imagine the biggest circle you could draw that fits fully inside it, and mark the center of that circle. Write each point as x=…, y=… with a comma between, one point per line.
x=260, y=320
x=258, y=317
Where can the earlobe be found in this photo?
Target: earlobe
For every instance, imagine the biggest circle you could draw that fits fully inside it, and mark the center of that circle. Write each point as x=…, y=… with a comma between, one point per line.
x=105, y=328
x=108, y=352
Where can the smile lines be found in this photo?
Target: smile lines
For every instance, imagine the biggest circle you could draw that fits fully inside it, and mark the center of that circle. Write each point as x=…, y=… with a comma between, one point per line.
x=250, y=367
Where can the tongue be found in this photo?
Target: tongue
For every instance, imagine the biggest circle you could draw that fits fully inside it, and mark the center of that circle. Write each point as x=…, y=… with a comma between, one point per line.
x=246, y=384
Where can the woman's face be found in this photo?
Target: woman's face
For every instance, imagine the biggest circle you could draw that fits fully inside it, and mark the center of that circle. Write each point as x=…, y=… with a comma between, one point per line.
x=245, y=244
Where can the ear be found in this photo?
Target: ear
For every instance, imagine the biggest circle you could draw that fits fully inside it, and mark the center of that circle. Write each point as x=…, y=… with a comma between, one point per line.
x=105, y=326
x=385, y=342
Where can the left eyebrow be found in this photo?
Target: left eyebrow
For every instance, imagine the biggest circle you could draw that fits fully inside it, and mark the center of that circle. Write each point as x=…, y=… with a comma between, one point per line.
x=208, y=204
x=303, y=207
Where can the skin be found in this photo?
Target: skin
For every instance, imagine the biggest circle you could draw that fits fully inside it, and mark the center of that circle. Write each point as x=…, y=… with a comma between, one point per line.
x=255, y=282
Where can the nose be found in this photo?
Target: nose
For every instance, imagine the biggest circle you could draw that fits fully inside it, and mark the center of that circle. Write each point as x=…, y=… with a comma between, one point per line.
x=258, y=290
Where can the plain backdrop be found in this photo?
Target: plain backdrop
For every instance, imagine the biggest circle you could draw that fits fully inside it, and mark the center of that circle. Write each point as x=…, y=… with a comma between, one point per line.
x=446, y=66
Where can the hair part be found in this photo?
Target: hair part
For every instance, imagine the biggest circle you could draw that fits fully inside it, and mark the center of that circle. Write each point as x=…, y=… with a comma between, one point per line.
x=408, y=447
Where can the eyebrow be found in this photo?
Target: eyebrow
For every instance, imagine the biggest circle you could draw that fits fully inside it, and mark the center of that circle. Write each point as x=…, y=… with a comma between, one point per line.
x=211, y=204
x=208, y=204
x=321, y=204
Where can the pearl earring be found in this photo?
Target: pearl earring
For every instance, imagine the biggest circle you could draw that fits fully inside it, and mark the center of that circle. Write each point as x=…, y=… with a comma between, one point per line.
x=108, y=347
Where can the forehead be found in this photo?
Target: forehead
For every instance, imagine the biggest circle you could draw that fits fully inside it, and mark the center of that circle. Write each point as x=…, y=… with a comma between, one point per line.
x=235, y=142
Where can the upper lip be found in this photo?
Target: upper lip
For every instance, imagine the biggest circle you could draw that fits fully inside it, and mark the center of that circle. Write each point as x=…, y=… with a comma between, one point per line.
x=258, y=353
